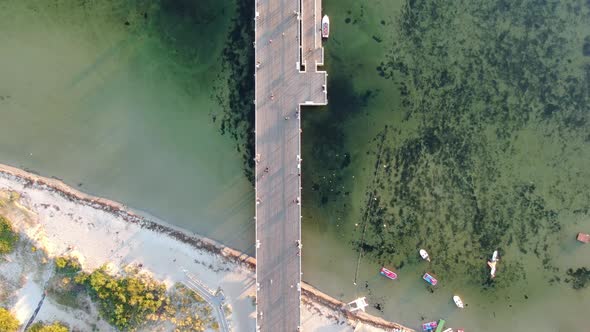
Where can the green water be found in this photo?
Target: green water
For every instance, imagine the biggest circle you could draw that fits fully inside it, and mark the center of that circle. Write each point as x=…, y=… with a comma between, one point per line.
x=117, y=98
x=461, y=128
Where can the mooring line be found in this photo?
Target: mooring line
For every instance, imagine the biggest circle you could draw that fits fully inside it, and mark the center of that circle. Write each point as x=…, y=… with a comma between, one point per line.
x=365, y=217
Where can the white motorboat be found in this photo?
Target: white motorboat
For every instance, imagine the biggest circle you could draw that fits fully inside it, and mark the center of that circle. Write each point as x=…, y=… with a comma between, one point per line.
x=424, y=255
x=325, y=26
x=458, y=301
x=492, y=264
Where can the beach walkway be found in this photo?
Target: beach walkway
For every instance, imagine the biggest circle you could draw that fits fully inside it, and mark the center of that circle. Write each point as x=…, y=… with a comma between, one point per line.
x=215, y=299
x=288, y=51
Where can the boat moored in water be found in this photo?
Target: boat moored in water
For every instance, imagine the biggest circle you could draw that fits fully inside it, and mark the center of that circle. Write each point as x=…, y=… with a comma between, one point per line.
x=430, y=279
x=458, y=301
x=424, y=255
x=492, y=264
x=325, y=26
x=430, y=326
x=388, y=273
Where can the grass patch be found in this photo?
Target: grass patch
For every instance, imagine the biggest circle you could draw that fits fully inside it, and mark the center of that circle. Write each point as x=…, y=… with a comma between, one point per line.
x=190, y=312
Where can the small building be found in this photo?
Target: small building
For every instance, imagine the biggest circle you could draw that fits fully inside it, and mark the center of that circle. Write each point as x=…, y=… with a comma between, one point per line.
x=584, y=238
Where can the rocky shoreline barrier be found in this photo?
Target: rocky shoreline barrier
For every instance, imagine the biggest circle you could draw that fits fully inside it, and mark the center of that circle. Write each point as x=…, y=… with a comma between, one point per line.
x=310, y=293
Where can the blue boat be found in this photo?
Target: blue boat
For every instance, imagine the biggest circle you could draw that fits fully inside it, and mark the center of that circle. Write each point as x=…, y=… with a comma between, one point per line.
x=430, y=279
x=430, y=326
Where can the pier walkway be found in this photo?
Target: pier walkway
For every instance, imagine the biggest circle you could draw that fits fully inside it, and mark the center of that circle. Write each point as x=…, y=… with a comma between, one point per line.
x=288, y=51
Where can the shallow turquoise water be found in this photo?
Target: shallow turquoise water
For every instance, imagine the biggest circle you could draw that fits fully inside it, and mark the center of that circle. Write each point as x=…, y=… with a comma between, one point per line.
x=125, y=111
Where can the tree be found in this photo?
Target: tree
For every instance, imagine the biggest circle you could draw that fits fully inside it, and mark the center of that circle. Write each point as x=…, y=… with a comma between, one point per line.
x=8, y=323
x=55, y=327
x=8, y=237
x=125, y=302
x=67, y=265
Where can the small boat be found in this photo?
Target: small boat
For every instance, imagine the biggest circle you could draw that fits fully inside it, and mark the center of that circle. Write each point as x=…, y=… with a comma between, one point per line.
x=584, y=238
x=388, y=273
x=458, y=301
x=424, y=255
x=430, y=279
x=492, y=264
x=325, y=26
x=430, y=326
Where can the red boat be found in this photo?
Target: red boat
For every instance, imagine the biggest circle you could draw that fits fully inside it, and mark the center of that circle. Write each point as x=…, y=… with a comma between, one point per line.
x=388, y=273
x=430, y=326
x=584, y=238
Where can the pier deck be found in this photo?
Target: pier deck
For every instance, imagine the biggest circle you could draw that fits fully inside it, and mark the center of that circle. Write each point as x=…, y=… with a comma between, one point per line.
x=283, y=28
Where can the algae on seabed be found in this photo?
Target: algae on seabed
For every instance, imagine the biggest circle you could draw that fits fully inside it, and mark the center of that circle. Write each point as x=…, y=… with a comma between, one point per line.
x=474, y=137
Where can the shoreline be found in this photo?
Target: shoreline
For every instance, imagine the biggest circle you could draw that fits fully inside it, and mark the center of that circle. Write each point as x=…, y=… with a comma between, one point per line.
x=310, y=295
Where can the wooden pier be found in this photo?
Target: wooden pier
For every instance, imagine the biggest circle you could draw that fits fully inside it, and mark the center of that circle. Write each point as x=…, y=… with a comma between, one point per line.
x=288, y=51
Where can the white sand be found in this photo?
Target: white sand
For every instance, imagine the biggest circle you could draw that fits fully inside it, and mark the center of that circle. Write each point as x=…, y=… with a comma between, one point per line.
x=98, y=237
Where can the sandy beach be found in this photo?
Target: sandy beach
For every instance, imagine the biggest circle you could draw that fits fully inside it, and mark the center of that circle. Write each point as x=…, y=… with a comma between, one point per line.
x=62, y=221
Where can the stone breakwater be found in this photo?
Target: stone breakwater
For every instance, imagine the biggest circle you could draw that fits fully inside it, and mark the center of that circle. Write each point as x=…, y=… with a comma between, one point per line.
x=311, y=295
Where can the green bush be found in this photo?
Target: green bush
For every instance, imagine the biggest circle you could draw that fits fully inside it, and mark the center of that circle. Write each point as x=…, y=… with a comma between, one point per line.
x=8, y=237
x=125, y=302
x=55, y=327
x=8, y=323
x=67, y=265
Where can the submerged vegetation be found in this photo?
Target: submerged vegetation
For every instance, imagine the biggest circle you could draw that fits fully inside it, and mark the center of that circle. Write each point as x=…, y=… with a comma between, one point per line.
x=486, y=82
x=579, y=278
x=8, y=237
x=235, y=91
x=480, y=127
